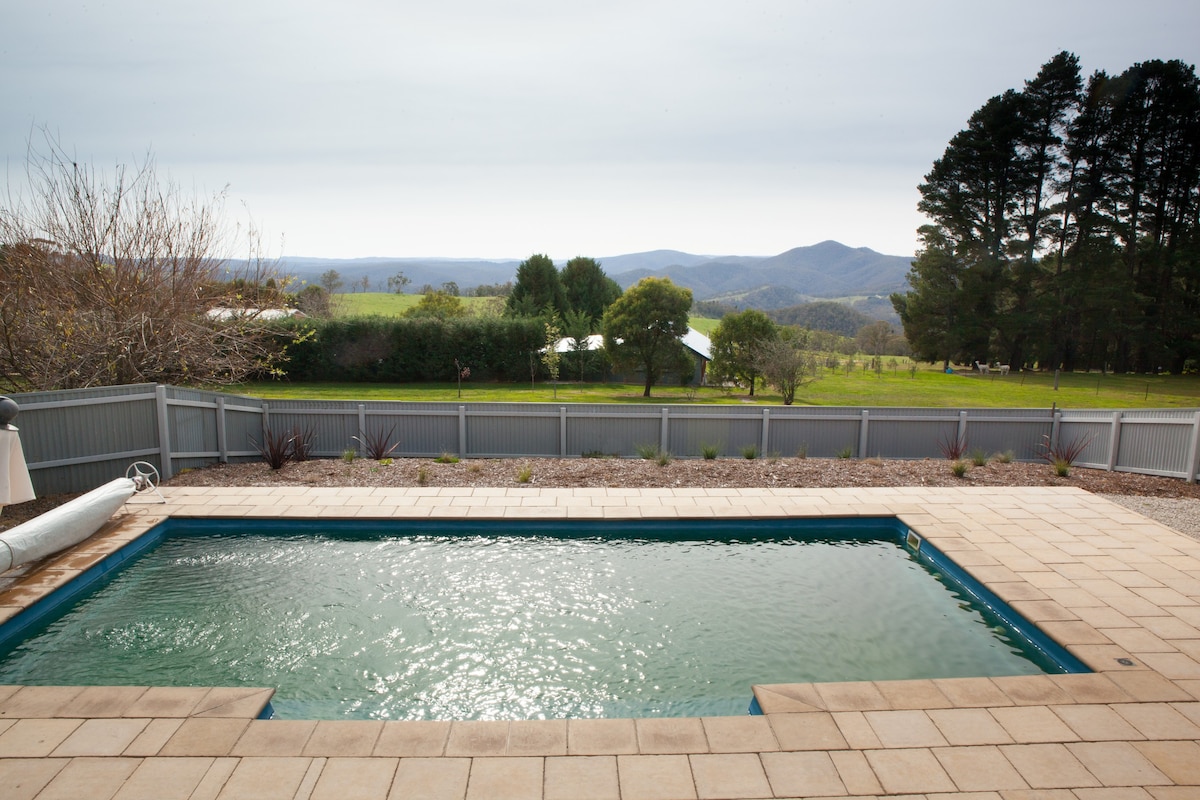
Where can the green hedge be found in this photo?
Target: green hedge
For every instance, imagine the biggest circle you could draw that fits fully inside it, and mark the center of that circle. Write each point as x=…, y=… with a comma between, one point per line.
x=384, y=350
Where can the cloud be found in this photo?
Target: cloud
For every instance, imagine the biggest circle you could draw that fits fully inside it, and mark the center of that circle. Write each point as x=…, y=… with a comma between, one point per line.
x=478, y=128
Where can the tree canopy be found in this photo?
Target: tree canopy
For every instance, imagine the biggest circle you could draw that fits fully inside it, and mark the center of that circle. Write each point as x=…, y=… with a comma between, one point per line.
x=738, y=344
x=588, y=290
x=537, y=289
x=1065, y=226
x=643, y=327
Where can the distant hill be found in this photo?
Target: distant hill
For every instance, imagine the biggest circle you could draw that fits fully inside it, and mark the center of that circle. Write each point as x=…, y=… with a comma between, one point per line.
x=823, y=315
x=421, y=271
x=828, y=270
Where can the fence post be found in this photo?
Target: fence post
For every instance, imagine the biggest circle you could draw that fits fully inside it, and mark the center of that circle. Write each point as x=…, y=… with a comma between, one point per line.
x=362, y=428
x=222, y=436
x=164, y=432
x=766, y=432
x=664, y=436
x=462, y=431
x=1055, y=424
x=1194, y=450
x=562, y=431
x=962, y=428
x=863, y=430
x=1114, y=441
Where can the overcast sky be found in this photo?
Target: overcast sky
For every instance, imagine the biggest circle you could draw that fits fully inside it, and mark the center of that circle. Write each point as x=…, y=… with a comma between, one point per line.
x=484, y=128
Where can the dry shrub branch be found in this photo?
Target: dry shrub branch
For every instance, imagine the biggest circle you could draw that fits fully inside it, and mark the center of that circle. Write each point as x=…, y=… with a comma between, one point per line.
x=109, y=279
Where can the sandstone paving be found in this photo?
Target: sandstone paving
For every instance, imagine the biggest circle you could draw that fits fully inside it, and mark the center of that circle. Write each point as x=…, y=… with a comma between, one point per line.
x=1120, y=592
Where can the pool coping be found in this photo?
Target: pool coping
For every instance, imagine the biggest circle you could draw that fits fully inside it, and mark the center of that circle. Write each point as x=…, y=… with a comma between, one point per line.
x=1119, y=591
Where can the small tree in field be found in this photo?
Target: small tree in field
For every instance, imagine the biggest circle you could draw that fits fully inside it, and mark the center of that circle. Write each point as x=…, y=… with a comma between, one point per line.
x=738, y=344
x=577, y=326
x=109, y=280
x=550, y=355
x=787, y=364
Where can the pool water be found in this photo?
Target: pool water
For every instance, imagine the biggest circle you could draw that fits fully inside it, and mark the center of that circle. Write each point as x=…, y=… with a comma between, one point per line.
x=432, y=624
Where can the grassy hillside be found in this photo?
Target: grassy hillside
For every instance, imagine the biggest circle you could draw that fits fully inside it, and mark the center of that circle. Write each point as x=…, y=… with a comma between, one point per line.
x=382, y=304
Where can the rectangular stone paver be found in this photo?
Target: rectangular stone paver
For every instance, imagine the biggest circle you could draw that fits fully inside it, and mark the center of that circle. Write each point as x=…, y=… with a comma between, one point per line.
x=969, y=726
x=664, y=735
x=909, y=771
x=1117, y=764
x=35, y=738
x=355, y=779
x=582, y=778
x=740, y=734
x=165, y=779
x=431, y=778
x=265, y=779
x=24, y=778
x=415, y=738
x=728, y=775
x=806, y=774
x=101, y=737
x=979, y=769
x=1048, y=766
x=93, y=778
x=666, y=777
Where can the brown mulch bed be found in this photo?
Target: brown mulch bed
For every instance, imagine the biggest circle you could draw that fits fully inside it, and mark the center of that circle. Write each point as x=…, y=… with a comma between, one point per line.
x=634, y=473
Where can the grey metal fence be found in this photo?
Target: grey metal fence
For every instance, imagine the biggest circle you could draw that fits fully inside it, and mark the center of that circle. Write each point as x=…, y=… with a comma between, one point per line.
x=76, y=440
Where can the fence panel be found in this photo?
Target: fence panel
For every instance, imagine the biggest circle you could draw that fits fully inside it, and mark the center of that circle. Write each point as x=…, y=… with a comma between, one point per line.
x=76, y=440
x=79, y=439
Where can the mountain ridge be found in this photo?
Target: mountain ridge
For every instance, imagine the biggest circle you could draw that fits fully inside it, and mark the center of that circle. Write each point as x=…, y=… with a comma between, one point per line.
x=826, y=270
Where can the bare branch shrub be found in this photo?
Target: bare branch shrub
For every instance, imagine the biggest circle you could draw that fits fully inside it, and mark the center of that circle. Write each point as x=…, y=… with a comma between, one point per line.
x=787, y=364
x=109, y=280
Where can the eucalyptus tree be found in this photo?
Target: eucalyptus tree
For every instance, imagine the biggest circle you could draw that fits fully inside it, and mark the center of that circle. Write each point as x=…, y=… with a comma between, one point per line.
x=644, y=327
x=738, y=343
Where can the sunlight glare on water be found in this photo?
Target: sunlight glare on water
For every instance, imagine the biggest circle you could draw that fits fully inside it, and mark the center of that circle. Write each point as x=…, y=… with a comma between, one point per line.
x=514, y=627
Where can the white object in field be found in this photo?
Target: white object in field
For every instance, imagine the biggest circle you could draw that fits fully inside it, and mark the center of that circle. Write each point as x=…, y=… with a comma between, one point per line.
x=62, y=527
x=15, y=486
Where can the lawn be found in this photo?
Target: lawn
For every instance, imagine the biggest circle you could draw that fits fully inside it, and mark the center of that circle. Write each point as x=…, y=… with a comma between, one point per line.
x=382, y=304
x=926, y=387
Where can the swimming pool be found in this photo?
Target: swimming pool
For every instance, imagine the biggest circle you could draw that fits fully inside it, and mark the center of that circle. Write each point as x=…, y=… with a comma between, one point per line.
x=423, y=620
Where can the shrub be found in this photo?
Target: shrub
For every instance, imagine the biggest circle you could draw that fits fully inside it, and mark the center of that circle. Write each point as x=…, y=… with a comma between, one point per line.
x=952, y=448
x=846, y=452
x=525, y=474
x=422, y=476
x=709, y=451
x=377, y=445
x=447, y=458
x=1062, y=455
x=276, y=448
x=302, y=443
x=647, y=451
x=979, y=457
x=349, y=454
x=1006, y=457
x=750, y=452
x=959, y=468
